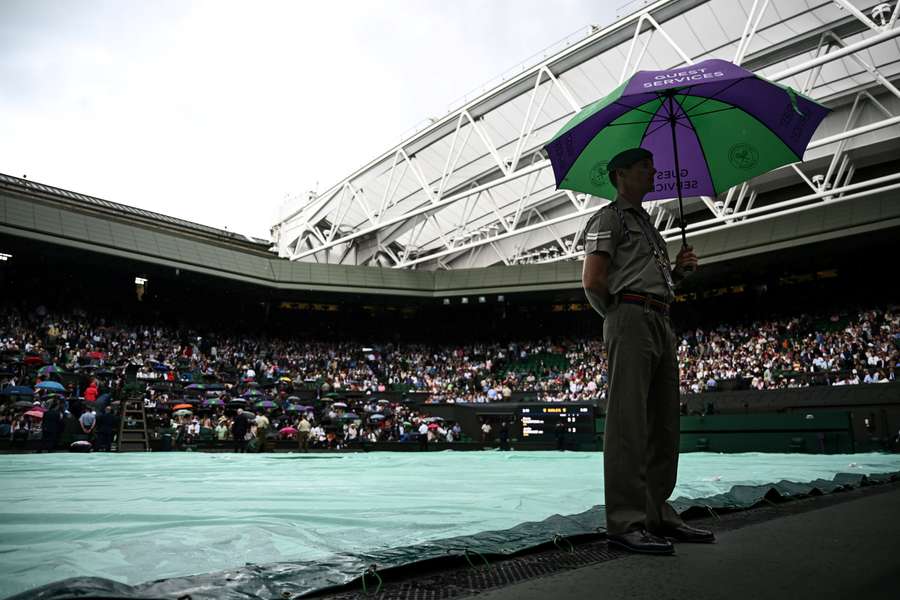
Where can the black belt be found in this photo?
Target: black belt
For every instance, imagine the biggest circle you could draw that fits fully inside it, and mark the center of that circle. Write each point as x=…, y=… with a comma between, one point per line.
x=650, y=301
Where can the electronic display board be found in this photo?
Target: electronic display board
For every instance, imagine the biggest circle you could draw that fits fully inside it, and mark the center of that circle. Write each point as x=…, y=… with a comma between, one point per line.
x=539, y=422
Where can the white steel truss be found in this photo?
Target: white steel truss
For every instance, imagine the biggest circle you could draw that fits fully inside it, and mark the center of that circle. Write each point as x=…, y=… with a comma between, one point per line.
x=475, y=189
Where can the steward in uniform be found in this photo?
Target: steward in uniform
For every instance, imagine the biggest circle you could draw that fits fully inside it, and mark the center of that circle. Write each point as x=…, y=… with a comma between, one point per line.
x=628, y=280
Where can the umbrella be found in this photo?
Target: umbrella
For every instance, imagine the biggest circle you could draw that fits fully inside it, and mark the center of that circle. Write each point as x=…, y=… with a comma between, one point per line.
x=376, y=417
x=252, y=384
x=18, y=390
x=182, y=413
x=248, y=414
x=38, y=408
x=293, y=398
x=23, y=404
x=51, y=385
x=214, y=402
x=287, y=431
x=292, y=408
x=350, y=416
x=339, y=405
x=37, y=414
x=383, y=401
x=50, y=370
x=710, y=126
x=433, y=426
x=433, y=419
x=179, y=407
x=333, y=395
x=265, y=404
x=253, y=394
x=197, y=386
x=33, y=360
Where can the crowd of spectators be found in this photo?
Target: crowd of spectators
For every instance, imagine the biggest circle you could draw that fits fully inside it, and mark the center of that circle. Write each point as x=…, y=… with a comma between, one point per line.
x=825, y=349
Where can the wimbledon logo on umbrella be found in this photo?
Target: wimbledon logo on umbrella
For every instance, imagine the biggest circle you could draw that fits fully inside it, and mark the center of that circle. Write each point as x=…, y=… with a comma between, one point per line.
x=683, y=77
x=598, y=174
x=743, y=156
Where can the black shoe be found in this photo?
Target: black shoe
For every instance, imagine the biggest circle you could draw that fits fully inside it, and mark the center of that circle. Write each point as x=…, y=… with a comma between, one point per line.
x=642, y=541
x=686, y=533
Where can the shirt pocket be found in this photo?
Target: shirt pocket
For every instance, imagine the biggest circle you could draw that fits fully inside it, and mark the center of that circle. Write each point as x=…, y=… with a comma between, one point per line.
x=637, y=241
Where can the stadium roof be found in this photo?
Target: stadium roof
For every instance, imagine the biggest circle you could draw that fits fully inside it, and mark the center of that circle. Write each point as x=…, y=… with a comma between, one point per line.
x=474, y=189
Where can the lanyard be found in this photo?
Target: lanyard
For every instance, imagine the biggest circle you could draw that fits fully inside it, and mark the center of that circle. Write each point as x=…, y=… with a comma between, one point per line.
x=662, y=260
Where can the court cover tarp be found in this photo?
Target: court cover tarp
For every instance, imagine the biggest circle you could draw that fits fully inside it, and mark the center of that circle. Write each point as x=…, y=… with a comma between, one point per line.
x=296, y=579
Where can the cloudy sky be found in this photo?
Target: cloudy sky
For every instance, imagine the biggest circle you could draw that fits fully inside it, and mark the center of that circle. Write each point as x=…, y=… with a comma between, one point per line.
x=217, y=111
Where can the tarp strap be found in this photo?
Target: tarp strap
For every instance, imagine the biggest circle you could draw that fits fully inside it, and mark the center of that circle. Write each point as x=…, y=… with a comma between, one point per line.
x=466, y=553
x=710, y=509
x=559, y=538
x=373, y=572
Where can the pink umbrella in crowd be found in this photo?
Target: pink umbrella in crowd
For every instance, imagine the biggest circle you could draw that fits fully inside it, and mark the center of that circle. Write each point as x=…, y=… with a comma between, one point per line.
x=287, y=431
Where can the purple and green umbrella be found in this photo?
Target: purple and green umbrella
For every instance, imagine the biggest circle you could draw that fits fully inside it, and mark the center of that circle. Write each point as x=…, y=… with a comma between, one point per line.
x=213, y=402
x=265, y=404
x=709, y=126
x=50, y=370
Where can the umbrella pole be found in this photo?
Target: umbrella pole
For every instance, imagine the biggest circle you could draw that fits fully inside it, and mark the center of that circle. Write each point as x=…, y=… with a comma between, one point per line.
x=677, y=172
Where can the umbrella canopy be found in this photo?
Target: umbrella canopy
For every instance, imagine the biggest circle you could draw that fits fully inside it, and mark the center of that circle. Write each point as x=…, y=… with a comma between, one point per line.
x=214, y=402
x=293, y=399
x=265, y=404
x=182, y=413
x=50, y=370
x=23, y=404
x=51, y=385
x=33, y=360
x=253, y=394
x=350, y=416
x=339, y=405
x=433, y=419
x=178, y=407
x=287, y=430
x=383, y=401
x=332, y=395
x=709, y=126
x=376, y=417
x=37, y=414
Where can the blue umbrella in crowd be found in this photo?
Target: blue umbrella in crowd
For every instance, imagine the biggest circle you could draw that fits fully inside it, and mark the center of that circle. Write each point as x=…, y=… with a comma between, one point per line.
x=376, y=417
x=51, y=385
x=350, y=417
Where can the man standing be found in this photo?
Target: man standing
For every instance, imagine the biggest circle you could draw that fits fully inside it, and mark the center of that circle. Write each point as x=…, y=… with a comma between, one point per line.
x=239, y=431
x=303, y=430
x=628, y=280
x=88, y=422
x=105, y=421
x=262, y=429
x=52, y=426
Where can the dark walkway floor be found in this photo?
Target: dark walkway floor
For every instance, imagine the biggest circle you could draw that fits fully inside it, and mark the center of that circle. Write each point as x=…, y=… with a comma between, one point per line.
x=849, y=549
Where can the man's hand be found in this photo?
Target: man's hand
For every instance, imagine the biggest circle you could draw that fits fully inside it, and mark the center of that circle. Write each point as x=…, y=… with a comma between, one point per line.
x=686, y=260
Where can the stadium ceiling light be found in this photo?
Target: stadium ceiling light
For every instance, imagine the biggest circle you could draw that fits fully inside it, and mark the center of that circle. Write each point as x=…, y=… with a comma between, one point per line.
x=5, y=257
x=465, y=300
x=481, y=299
x=500, y=298
x=140, y=280
x=446, y=301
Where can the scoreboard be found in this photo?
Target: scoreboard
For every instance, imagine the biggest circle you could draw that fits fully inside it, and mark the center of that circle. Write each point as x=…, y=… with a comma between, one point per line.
x=539, y=422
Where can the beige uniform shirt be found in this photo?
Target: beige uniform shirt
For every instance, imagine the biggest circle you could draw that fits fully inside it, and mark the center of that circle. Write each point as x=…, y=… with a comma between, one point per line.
x=625, y=235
